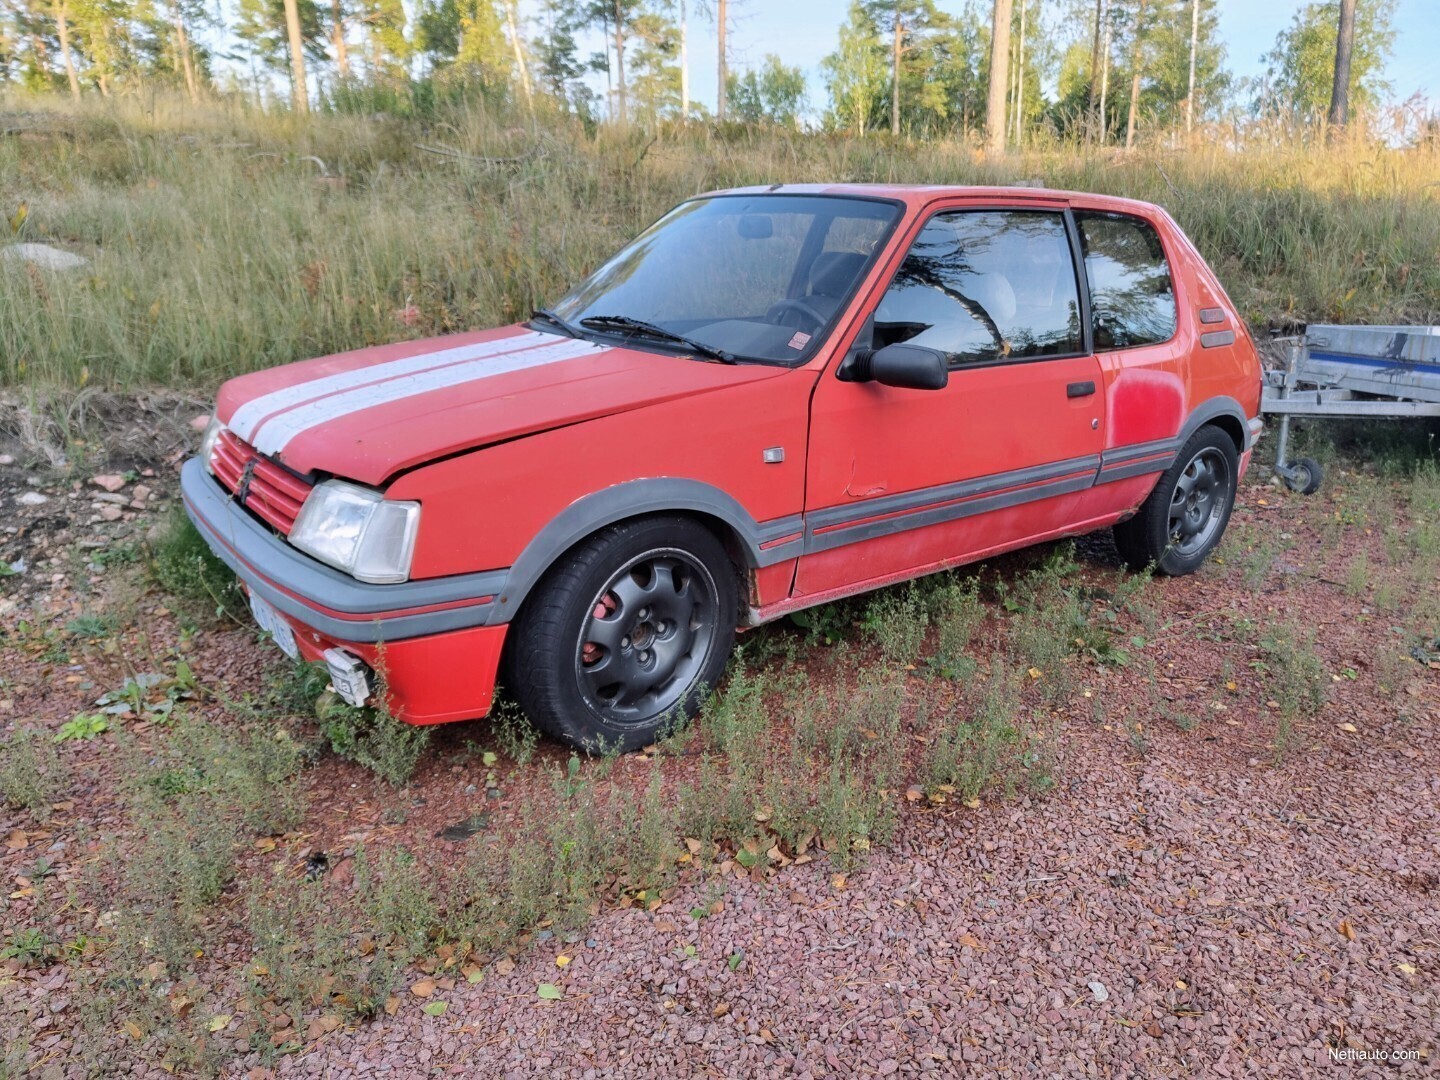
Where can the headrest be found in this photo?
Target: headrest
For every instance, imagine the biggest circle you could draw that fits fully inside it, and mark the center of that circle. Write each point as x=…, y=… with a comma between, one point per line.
x=834, y=272
x=993, y=292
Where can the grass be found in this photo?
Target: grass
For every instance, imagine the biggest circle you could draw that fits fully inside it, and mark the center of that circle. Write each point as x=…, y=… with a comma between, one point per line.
x=218, y=248
x=182, y=564
x=31, y=774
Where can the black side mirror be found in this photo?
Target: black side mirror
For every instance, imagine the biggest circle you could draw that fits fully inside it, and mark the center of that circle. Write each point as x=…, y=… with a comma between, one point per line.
x=910, y=367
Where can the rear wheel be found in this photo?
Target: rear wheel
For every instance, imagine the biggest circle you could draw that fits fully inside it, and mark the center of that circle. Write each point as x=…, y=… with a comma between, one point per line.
x=1185, y=516
x=623, y=640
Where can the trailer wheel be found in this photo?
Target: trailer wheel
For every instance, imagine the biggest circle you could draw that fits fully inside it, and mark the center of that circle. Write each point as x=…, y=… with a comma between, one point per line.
x=1305, y=476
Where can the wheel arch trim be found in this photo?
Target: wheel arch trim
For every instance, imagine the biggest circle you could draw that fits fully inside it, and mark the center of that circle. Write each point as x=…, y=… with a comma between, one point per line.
x=759, y=544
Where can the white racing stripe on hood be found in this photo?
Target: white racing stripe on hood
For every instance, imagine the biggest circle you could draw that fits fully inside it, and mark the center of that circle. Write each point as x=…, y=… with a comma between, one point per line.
x=252, y=413
x=274, y=434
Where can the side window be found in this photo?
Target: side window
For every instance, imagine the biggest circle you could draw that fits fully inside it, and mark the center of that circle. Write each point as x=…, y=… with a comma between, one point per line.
x=984, y=286
x=1132, y=299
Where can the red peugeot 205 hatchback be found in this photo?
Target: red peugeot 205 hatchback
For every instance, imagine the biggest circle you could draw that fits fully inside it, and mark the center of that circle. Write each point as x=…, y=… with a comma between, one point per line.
x=772, y=398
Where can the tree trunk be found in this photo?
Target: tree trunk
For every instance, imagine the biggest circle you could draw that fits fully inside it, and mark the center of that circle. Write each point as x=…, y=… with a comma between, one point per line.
x=1194, y=46
x=684, y=68
x=1344, y=45
x=518, y=47
x=620, y=110
x=1136, y=56
x=1105, y=81
x=337, y=39
x=182, y=46
x=1091, y=94
x=723, y=75
x=895, y=74
x=62, y=27
x=1020, y=78
x=999, y=76
x=299, y=92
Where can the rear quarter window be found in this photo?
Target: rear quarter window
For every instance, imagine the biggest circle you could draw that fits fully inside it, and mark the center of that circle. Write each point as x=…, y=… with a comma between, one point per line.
x=1132, y=296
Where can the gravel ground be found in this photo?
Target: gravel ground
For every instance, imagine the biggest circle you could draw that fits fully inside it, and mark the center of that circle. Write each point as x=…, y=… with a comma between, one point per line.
x=1172, y=917
x=1180, y=905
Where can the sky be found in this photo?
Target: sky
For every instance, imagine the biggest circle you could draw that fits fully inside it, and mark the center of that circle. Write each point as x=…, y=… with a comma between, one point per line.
x=802, y=32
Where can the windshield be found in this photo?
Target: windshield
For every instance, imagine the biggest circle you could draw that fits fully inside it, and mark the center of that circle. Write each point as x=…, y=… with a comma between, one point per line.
x=757, y=277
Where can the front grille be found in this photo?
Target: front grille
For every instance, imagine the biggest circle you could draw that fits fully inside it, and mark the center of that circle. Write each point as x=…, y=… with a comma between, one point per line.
x=273, y=494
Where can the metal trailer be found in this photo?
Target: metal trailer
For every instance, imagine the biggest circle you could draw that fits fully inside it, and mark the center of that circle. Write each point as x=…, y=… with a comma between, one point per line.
x=1349, y=371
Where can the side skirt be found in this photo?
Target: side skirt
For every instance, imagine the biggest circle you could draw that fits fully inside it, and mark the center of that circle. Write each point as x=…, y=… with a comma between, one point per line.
x=759, y=616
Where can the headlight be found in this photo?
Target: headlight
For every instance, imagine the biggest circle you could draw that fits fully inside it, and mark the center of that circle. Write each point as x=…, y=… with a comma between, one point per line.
x=207, y=442
x=358, y=530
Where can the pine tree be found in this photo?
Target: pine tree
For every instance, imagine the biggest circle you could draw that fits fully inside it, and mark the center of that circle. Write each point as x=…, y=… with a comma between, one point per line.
x=1301, y=67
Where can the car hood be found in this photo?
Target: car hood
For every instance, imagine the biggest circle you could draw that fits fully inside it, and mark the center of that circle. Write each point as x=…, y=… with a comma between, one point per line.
x=369, y=414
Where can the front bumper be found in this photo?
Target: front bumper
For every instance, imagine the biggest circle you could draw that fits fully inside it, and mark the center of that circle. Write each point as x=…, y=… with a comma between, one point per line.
x=430, y=641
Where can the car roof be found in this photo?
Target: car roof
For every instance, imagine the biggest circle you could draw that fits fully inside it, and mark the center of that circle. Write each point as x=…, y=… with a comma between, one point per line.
x=918, y=195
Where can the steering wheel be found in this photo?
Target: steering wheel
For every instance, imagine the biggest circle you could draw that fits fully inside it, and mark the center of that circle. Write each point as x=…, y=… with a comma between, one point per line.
x=799, y=305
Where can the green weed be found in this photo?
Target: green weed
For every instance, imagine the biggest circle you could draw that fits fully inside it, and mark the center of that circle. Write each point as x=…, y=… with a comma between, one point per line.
x=31, y=775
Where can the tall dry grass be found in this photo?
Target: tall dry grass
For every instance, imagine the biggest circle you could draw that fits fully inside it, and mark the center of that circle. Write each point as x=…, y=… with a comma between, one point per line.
x=225, y=240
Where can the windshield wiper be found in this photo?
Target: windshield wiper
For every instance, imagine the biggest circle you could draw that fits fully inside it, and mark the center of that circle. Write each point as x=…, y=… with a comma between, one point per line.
x=639, y=326
x=547, y=316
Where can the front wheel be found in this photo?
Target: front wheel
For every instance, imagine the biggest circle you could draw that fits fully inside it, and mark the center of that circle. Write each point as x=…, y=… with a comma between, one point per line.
x=1185, y=516
x=623, y=639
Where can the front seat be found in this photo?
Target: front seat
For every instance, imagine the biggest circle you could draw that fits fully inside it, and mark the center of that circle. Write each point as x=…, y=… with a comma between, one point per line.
x=830, y=280
x=832, y=275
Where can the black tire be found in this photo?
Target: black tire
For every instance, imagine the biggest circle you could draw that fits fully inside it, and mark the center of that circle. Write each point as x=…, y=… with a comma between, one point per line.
x=1305, y=477
x=1185, y=516
x=652, y=600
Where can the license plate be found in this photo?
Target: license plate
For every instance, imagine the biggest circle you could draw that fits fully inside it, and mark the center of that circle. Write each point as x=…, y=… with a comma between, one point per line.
x=271, y=622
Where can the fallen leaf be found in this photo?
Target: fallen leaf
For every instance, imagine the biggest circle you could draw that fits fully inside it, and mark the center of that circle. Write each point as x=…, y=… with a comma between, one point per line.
x=17, y=840
x=969, y=940
x=1346, y=930
x=837, y=881
x=219, y=1023
x=1408, y=969
x=473, y=973
x=424, y=988
x=435, y=1008
x=133, y=1029
x=1035, y=673
x=561, y=961
x=392, y=1005
x=549, y=992
x=1350, y=728
x=721, y=1008
x=504, y=966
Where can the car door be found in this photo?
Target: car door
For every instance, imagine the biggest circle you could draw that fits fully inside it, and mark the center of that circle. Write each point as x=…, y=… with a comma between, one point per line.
x=902, y=481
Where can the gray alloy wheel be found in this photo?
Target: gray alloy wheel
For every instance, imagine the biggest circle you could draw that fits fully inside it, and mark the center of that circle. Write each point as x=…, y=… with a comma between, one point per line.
x=1185, y=515
x=626, y=634
x=1200, y=501
x=647, y=636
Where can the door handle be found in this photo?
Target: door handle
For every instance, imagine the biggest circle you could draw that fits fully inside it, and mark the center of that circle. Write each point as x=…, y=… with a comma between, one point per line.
x=1080, y=389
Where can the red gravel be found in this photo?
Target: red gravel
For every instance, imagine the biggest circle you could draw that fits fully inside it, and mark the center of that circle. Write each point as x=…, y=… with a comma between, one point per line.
x=1188, y=907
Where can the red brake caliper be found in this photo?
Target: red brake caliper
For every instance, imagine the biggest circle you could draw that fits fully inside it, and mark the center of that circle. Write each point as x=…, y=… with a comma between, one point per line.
x=590, y=652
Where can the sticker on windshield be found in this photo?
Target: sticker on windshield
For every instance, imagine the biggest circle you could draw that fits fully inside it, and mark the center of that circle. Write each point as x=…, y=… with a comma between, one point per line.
x=800, y=340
